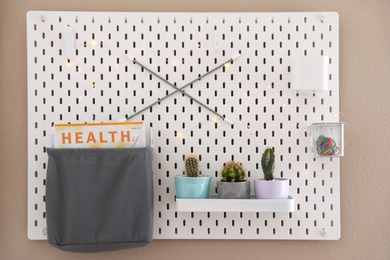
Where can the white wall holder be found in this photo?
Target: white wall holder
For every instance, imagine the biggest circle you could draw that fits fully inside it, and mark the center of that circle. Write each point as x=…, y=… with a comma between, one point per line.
x=100, y=84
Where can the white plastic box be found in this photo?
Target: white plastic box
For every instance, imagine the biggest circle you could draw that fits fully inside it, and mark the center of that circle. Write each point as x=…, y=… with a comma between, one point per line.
x=310, y=74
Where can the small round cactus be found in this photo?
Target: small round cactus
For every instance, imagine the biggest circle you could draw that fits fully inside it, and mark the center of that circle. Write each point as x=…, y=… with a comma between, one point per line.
x=268, y=164
x=233, y=172
x=191, y=166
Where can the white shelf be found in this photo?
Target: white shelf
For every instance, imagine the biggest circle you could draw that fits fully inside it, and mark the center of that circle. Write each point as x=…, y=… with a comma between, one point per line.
x=213, y=204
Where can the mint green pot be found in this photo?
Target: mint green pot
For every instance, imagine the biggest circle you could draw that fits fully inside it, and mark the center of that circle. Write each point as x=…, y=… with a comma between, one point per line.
x=192, y=187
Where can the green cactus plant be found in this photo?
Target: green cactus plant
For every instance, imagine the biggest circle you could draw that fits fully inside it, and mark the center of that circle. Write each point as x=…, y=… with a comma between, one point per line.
x=233, y=172
x=192, y=166
x=268, y=164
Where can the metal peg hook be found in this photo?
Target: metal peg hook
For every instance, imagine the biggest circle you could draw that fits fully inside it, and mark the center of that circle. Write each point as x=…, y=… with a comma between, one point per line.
x=182, y=88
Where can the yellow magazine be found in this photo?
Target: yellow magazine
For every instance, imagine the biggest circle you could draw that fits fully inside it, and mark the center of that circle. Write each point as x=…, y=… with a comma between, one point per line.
x=99, y=135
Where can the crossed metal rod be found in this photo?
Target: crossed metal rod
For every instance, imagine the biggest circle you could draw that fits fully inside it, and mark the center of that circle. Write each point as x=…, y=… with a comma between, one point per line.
x=181, y=88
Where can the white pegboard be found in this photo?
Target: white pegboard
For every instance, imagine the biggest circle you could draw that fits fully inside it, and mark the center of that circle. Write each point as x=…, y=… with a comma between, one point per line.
x=101, y=84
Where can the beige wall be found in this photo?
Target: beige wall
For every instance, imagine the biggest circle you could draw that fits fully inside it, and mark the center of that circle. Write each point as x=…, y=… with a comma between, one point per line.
x=364, y=98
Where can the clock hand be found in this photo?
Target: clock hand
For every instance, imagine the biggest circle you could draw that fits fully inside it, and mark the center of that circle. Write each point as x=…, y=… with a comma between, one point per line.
x=178, y=89
x=186, y=85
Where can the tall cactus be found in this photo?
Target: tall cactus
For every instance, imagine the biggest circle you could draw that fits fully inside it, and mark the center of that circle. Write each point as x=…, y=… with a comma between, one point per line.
x=268, y=164
x=233, y=172
x=191, y=166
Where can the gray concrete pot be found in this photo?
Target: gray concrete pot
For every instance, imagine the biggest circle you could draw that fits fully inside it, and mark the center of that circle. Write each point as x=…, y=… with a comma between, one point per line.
x=234, y=190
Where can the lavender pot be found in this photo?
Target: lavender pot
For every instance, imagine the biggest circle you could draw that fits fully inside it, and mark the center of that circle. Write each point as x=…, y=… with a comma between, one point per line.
x=278, y=188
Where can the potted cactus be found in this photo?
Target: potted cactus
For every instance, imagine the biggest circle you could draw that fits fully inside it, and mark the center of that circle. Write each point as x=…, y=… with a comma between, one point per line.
x=233, y=185
x=192, y=185
x=270, y=187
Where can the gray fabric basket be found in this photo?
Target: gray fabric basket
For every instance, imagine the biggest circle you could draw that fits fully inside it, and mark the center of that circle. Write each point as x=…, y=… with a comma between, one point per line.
x=99, y=199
